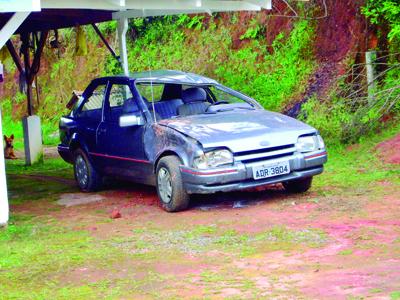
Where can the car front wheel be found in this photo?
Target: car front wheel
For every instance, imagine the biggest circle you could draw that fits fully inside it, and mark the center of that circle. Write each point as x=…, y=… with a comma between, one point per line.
x=170, y=190
x=298, y=186
x=86, y=176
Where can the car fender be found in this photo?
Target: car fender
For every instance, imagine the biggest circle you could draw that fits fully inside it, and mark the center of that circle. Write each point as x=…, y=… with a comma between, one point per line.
x=77, y=141
x=160, y=140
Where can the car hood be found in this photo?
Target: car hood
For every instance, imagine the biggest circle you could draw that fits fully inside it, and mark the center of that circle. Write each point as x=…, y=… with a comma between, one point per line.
x=240, y=130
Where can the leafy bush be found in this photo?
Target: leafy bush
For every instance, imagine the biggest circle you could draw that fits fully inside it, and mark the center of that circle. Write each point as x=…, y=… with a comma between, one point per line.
x=347, y=116
x=275, y=78
x=384, y=11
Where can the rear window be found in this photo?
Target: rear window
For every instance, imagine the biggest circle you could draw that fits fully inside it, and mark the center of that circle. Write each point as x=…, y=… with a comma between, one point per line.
x=151, y=91
x=95, y=101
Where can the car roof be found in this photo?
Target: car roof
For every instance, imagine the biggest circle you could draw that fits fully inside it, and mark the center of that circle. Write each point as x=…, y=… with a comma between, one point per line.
x=168, y=76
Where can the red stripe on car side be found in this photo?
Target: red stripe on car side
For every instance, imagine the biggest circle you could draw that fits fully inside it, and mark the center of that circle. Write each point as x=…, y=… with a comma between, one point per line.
x=208, y=173
x=316, y=155
x=119, y=157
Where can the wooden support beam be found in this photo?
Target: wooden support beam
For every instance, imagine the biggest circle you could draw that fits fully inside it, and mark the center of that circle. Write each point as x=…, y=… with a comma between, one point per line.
x=15, y=56
x=106, y=42
x=34, y=69
x=31, y=69
x=27, y=66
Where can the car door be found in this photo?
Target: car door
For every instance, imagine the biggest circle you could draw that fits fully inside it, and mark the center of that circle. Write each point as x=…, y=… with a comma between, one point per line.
x=123, y=146
x=90, y=115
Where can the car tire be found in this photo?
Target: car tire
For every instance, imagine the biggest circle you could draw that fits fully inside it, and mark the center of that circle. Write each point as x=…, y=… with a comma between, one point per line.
x=86, y=176
x=170, y=190
x=298, y=186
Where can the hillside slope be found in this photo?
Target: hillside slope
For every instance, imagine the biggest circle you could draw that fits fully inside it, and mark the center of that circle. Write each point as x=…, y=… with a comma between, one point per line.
x=282, y=62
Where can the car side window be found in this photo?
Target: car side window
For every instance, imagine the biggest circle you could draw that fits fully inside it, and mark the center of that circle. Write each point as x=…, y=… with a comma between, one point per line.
x=121, y=102
x=118, y=94
x=151, y=91
x=92, y=106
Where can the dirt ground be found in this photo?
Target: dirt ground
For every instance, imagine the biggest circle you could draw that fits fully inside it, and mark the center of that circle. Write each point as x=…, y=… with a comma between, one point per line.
x=324, y=247
x=328, y=243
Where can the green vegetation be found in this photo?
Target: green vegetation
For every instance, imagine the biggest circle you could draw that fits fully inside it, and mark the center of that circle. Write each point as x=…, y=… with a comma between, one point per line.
x=395, y=295
x=382, y=12
x=359, y=165
x=34, y=250
x=346, y=117
x=53, y=166
x=348, y=114
x=184, y=44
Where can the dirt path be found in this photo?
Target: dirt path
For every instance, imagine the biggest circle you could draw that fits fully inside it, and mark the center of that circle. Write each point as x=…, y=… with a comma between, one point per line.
x=45, y=178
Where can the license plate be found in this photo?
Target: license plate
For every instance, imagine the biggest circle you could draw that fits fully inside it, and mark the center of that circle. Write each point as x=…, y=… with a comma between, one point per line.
x=270, y=170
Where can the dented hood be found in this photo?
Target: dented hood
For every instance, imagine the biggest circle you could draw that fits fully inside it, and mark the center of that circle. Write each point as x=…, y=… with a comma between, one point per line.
x=240, y=130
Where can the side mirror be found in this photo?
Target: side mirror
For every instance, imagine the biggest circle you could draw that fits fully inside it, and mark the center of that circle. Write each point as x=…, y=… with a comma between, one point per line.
x=130, y=120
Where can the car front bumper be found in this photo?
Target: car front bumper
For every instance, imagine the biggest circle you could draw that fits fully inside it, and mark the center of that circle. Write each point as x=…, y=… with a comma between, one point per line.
x=240, y=175
x=65, y=153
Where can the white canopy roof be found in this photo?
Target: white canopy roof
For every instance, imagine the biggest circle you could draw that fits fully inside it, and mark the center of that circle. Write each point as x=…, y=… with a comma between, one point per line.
x=158, y=6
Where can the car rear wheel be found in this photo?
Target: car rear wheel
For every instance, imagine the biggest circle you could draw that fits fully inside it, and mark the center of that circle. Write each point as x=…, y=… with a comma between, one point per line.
x=86, y=176
x=298, y=186
x=170, y=190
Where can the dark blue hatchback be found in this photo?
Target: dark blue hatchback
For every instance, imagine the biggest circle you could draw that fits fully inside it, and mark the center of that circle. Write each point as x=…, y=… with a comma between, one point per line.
x=185, y=134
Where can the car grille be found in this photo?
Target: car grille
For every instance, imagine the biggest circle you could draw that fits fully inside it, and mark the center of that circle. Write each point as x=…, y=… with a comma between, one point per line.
x=264, y=154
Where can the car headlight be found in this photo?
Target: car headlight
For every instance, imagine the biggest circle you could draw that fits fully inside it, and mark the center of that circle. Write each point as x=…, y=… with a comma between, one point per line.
x=310, y=143
x=321, y=143
x=213, y=159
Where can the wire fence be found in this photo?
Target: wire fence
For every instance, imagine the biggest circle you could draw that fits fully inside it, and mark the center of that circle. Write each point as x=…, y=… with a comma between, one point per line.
x=369, y=99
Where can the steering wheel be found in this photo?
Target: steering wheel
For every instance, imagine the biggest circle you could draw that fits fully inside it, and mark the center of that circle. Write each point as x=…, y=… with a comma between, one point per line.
x=221, y=102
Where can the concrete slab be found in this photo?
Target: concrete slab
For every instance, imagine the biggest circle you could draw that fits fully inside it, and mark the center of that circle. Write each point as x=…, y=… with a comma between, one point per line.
x=73, y=199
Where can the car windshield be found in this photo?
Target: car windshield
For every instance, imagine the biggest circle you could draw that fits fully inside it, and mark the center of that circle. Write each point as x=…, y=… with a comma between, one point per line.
x=220, y=95
x=170, y=100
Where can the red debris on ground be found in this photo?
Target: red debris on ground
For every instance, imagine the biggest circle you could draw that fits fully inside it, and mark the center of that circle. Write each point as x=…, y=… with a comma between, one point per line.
x=116, y=214
x=389, y=151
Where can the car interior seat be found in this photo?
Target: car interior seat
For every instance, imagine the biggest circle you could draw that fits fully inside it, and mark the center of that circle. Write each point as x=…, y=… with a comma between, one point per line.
x=129, y=107
x=167, y=108
x=195, y=102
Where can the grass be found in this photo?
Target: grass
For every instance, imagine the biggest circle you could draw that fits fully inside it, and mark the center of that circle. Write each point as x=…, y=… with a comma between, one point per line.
x=197, y=240
x=35, y=251
x=358, y=166
x=49, y=132
x=395, y=295
x=51, y=166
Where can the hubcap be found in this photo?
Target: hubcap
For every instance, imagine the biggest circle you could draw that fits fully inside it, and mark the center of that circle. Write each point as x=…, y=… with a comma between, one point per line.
x=81, y=171
x=164, y=185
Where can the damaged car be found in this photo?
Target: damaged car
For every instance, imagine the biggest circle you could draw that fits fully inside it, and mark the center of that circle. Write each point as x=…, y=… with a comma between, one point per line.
x=186, y=134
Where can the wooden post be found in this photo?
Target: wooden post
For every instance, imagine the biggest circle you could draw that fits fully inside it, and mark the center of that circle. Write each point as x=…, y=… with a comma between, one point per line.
x=31, y=124
x=370, y=57
x=27, y=70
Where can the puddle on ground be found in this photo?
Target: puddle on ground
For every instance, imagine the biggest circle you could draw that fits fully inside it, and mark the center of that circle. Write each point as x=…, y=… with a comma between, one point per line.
x=72, y=199
x=233, y=204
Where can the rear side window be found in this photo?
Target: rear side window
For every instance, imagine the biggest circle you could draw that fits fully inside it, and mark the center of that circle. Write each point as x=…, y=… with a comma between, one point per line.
x=118, y=94
x=121, y=102
x=92, y=106
x=150, y=91
x=95, y=101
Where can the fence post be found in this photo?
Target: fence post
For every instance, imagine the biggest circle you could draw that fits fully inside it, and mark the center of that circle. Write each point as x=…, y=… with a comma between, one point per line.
x=370, y=57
